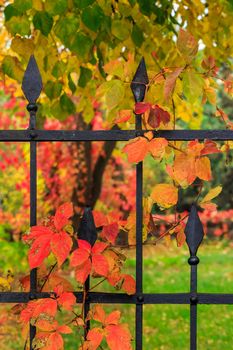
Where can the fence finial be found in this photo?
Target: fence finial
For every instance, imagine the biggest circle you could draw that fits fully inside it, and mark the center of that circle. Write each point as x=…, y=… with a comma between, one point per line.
x=194, y=231
x=87, y=229
x=140, y=80
x=32, y=82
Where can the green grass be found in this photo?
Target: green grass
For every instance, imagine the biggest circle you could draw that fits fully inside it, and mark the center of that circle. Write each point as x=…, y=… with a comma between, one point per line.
x=166, y=327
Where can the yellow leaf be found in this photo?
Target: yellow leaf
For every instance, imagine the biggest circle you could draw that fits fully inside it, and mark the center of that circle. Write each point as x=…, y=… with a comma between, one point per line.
x=165, y=195
x=214, y=192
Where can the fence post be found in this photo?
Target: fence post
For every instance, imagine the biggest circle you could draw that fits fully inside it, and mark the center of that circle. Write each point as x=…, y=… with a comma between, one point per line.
x=194, y=235
x=32, y=86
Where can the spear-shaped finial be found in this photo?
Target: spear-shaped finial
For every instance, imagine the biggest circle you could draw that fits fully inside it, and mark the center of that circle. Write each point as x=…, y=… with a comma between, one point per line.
x=87, y=229
x=140, y=81
x=194, y=231
x=32, y=82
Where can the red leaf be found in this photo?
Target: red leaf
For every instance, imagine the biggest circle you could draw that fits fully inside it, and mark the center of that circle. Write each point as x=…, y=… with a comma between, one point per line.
x=39, y=250
x=61, y=245
x=67, y=300
x=100, y=265
x=82, y=244
x=63, y=213
x=210, y=147
x=129, y=284
x=99, y=247
x=158, y=115
x=79, y=257
x=110, y=232
x=99, y=218
x=141, y=107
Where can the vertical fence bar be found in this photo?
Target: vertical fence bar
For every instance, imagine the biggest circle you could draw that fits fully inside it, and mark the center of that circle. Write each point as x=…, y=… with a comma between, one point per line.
x=87, y=231
x=32, y=86
x=194, y=235
x=33, y=211
x=193, y=306
x=138, y=86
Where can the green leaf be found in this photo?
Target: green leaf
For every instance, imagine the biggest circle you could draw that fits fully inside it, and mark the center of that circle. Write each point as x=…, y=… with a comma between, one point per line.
x=85, y=76
x=121, y=29
x=59, y=69
x=23, y=47
x=18, y=25
x=72, y=85
x=137, y=36
x=67, y=105
x=81, y=44
x=57, y=7
x=53, y=90
x=81, y=4
x=192, y=85
x=12, y=68
x=23, y=6
x=113, y=92
x=43, y=22
x=92, y=17
x=10, y=11
x=66, y=27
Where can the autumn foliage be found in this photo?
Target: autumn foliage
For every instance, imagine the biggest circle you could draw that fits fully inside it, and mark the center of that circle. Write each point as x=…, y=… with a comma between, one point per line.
x=56, y=240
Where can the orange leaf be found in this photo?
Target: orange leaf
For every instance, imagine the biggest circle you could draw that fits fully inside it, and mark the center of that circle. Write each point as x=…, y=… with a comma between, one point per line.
x=170, y=83
x=64, y=329
x=157, y=147
x=136, y=149
x=98, y=314
x=129, y=284
x=187, y=44
x=55, y=342
x=113, y=318
x=123, y=116
x=184, y=169
x=165, y=195
x=203, y=168
x=100, y=265
x=118, y=337
x=94, y=339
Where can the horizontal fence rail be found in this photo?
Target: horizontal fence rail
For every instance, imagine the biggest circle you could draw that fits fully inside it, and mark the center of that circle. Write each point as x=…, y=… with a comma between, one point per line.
x=111, y=135
x=32, y=86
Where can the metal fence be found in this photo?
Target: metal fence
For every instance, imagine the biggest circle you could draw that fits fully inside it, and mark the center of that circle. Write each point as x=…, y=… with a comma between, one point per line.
x=32, y=86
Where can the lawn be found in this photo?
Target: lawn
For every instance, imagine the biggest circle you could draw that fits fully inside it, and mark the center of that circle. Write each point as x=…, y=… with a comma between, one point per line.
x=166, y=327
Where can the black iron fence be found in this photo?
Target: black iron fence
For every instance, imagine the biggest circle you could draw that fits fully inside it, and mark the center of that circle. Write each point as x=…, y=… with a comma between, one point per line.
x=32, y=86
